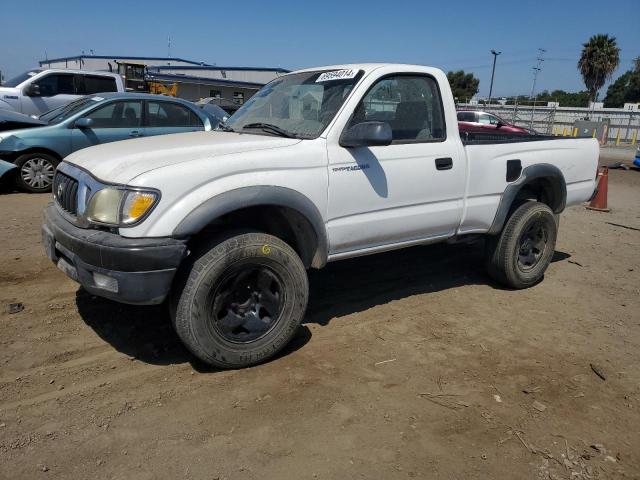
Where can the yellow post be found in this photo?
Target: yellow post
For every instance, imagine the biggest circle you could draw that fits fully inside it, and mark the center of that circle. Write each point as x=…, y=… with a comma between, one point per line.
x=575, y=132
x=634, y=137
x=594, y=133
x=564, y=132
x=618, y=138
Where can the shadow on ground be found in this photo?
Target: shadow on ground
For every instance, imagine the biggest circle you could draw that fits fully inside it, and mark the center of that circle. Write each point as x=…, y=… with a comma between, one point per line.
x=340, y=289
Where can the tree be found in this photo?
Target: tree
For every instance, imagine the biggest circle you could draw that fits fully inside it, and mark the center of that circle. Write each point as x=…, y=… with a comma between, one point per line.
x=464, y=85
x=565, y=99
x=626, y=89
x=599, y=59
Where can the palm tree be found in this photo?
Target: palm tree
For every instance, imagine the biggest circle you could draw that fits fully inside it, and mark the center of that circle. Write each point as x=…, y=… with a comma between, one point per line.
x=599, y=59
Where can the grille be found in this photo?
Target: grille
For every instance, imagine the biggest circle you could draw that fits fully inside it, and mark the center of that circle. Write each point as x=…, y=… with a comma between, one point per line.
x=65, y=191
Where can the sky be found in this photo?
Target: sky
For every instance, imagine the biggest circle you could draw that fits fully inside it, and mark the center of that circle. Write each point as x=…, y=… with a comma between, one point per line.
x=292, y=35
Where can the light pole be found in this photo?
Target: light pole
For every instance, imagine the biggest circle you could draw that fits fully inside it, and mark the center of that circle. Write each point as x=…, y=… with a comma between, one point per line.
x=536, y=71
x=493, y=72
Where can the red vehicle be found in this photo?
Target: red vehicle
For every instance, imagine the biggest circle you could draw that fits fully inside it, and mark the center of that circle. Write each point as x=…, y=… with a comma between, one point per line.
x=474, y=121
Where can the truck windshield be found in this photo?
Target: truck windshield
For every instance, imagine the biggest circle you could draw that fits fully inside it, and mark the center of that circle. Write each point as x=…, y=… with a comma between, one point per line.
x=59, y=114
x=15, y=81
x=298, y=105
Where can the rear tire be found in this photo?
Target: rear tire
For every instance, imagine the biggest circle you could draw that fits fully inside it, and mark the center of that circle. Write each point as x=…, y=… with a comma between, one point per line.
x=520, y=254
x=35, y=172
x=240, y=300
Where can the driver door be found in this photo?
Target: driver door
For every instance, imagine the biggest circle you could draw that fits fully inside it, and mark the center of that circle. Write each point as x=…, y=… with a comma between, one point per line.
x=409, y=191
x=56, y=89
x=117, y=120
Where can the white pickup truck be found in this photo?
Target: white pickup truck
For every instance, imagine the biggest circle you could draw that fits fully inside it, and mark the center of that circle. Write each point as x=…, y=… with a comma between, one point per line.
x=40, y=90
x=320, y=165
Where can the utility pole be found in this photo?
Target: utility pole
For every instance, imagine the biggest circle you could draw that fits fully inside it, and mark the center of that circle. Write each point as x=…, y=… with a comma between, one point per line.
x=536, y=70
x=493, y=71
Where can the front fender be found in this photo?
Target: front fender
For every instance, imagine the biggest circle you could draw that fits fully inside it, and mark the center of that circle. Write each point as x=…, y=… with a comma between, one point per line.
x=244, y=197
x=5, y=167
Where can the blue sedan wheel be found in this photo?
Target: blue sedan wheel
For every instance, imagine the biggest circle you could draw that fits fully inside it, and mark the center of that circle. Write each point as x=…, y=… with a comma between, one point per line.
x=36, y=171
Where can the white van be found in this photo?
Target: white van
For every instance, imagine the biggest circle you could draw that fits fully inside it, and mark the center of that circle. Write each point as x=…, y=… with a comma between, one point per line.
x=39, y=90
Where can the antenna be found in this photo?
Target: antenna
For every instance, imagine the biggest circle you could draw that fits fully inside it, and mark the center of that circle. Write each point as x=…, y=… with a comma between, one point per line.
x=169, y=46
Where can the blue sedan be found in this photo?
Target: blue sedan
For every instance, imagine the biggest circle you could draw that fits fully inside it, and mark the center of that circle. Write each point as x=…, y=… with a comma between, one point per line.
x=92, y=120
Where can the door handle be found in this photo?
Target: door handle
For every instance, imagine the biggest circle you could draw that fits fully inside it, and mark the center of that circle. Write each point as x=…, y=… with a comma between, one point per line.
x=135, y=133
x=444, y=163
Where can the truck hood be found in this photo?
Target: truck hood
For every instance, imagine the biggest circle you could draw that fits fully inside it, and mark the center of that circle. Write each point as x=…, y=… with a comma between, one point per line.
x=121, y=162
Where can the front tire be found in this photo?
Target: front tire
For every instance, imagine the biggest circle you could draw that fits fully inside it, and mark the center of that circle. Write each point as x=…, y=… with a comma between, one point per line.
x=521, y=253
x=240, y=300
x=35, y=172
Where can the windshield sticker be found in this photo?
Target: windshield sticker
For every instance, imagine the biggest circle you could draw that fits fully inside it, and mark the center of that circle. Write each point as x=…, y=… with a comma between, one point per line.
x=337, y=75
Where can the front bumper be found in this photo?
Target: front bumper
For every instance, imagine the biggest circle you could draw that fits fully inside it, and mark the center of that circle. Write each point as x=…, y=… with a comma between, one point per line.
x=129, y=270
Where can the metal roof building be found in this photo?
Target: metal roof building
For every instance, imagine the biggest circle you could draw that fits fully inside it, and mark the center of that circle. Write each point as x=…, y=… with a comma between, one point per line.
x=195, y=80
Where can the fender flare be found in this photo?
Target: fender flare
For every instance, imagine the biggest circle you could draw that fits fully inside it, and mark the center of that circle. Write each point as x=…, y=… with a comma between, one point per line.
x=254, y=196
x=532, y=172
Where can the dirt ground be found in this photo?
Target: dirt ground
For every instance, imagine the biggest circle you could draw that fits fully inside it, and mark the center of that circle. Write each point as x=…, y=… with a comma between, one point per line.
x=410, y=364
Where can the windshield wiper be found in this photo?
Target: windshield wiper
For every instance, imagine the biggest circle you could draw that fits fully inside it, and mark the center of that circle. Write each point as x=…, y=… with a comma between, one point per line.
x=267, y=127
x=225, y=128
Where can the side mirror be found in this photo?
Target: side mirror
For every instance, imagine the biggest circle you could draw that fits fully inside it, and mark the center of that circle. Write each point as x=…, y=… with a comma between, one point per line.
x=367, y=134
x=83, y=122
x=500, y=124
x=33, y=90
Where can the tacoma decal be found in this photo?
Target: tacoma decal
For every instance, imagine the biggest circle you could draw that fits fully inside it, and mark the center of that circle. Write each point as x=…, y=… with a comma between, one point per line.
x=351, y=168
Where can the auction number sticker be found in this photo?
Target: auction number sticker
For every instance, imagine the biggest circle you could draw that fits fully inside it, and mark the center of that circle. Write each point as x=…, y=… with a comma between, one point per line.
x=337, y=75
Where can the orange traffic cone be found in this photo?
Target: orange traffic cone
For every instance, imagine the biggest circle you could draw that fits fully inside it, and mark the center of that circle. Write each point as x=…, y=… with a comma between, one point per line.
x=599, y=201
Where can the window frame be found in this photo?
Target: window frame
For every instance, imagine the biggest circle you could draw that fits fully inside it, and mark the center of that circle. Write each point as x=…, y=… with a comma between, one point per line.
x=404, y=74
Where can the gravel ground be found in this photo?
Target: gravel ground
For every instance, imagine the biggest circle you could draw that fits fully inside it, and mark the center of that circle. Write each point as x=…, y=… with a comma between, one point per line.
x=410, y=364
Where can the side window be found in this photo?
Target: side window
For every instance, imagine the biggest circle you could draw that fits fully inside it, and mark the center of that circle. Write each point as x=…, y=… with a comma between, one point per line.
x=56, y=84
x=466, y=117
x=410, y=104
x=487, y=119
x=169, y=114
x=96, y=84
x=238, y=97
x=117, y=115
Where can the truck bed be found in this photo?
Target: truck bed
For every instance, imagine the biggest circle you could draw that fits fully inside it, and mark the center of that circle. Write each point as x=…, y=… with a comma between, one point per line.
x=487, y=157
x=489, y=138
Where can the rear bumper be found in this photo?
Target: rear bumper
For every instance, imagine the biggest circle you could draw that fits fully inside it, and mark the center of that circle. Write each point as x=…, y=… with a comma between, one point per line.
x=128, y=270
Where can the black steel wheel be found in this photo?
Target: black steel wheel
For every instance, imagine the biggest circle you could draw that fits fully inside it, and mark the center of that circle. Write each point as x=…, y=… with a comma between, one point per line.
x=247, y=303
x=532, y=244
x=521, y=253
x=239, y=299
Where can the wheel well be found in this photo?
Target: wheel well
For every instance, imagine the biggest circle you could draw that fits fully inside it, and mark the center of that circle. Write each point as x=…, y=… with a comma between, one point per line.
x=286, y=223
x=544, y=190
x=14, y=156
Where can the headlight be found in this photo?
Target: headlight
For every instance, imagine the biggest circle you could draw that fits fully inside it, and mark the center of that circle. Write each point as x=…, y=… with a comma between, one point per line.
x=120, y=207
